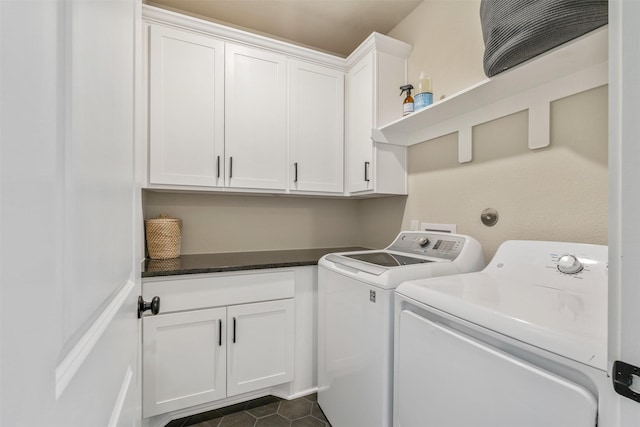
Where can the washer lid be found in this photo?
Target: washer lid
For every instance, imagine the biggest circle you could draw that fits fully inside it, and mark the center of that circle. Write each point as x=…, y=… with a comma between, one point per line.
x=562, y=313
x=375, y=262
x=387, y=259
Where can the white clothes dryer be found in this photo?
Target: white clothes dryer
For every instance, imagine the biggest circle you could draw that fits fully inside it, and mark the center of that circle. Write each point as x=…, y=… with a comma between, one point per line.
x=355, y=319
x=521, y=343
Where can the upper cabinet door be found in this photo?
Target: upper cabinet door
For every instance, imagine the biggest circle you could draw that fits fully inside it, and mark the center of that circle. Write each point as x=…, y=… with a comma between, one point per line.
x=316, y=128
x=255, y=134
x=186, y=108
x=360, y=121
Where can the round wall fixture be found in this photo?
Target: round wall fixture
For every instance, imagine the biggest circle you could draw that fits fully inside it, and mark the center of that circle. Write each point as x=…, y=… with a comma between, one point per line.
x=489, y=217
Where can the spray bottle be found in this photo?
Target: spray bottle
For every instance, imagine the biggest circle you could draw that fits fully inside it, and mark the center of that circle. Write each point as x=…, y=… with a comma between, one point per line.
x=407, y=105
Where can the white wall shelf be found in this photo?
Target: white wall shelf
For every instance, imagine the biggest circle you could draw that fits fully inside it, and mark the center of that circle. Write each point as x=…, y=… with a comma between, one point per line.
x=571, y=68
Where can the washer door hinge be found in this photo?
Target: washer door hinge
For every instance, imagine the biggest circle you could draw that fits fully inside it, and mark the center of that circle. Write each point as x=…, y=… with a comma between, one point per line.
x=623, y=376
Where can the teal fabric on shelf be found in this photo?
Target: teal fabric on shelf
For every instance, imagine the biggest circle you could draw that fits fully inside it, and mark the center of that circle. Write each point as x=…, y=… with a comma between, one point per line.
x=515, y=31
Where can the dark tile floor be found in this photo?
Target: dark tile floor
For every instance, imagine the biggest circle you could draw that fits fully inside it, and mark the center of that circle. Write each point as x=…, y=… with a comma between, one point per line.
x=268, y=411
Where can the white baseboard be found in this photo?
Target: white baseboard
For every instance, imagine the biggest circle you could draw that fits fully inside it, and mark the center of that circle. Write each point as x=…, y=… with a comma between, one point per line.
x=281, y=395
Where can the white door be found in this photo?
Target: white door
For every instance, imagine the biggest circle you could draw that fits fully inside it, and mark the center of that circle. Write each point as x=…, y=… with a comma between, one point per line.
x=186, y=108
x=255, y=123
x=316, y=127
x=68, y=270
x=184, y=360
x=260, y=339
x=624, y=199
x=360, y=110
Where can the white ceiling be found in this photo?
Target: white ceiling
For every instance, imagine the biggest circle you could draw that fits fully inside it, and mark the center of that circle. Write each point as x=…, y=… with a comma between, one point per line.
x=335, y=26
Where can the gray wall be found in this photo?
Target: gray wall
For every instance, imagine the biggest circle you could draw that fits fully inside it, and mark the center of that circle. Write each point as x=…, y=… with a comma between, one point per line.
x=223, y=223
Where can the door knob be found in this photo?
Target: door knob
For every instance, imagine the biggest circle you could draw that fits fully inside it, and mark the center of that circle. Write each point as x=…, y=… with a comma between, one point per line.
x=143, y=306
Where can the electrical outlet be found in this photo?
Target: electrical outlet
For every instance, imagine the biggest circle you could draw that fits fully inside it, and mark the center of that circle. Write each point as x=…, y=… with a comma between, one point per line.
x=440, y=228
x=415, y=225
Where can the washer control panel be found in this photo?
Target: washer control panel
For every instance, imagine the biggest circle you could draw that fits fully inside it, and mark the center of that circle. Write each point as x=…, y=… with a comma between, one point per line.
x=437, y=245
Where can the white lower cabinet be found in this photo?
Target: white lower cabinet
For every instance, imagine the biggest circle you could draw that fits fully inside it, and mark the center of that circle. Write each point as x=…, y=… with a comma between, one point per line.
x=185, y=358
x=260, y=351
x=195, y=354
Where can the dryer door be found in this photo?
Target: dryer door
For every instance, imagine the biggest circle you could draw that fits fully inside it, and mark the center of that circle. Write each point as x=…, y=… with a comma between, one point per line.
x=444, y=378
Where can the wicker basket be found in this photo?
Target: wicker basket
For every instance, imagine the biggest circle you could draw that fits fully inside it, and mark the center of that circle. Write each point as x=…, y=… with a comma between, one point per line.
x=164, y=237
x=172, y=264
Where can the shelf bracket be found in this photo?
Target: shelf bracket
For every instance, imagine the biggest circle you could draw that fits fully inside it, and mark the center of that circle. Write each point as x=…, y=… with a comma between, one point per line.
x=465, y=144
x=539, y=125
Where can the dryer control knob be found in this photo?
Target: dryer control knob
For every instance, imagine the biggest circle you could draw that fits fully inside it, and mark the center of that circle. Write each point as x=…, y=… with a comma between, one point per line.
x=569, y=264
x=423, y=241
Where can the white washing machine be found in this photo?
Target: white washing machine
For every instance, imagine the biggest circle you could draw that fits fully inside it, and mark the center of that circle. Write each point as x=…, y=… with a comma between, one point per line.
x=355, y=319
x=521, y=343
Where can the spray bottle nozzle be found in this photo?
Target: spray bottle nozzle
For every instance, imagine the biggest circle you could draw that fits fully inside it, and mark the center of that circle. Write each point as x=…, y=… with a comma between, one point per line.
x=406, y=88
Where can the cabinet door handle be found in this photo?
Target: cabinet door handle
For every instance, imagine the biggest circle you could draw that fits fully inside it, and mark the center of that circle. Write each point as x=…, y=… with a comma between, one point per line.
x=230, y=167
x=234, y=330
x=220, y=333
x=366, y=171
x=218, y=167
x=295, y=175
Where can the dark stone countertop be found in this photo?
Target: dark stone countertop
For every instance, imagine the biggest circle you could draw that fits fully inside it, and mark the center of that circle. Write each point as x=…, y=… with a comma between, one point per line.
x=237, y=261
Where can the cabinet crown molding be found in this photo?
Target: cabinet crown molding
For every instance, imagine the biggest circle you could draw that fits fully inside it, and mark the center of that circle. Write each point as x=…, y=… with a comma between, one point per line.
x=152, y=14
x=380, y=43
x=377, y=41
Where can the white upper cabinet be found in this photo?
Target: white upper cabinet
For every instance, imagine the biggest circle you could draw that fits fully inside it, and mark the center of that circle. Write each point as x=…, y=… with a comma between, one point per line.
x=186, y=108
x=256, y=96
x=316, y=128
x=359, y=124
x=379, y=68
x=232, y=111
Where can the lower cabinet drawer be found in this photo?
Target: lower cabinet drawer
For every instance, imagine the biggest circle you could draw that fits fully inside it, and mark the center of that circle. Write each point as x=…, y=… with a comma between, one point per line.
x=221, y=289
